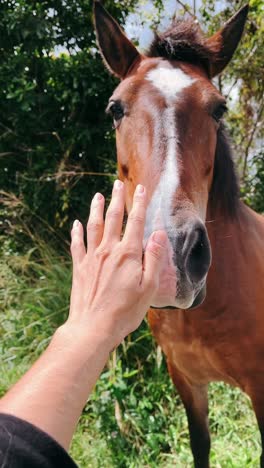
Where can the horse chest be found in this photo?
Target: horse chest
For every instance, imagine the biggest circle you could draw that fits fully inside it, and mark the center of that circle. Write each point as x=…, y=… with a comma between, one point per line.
x=196, y=351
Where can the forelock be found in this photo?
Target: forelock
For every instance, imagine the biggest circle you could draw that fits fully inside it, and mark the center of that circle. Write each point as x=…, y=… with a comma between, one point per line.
x=184, y=41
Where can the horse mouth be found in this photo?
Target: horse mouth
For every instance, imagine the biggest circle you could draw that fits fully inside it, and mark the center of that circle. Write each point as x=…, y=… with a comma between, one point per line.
x=199, y=299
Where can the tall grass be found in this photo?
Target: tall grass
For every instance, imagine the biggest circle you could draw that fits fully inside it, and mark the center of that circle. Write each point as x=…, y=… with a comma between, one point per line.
x=134, y=418
x=34, y=296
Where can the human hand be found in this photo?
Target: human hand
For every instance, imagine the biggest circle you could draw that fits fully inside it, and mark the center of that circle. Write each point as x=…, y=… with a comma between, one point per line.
x=113, y=283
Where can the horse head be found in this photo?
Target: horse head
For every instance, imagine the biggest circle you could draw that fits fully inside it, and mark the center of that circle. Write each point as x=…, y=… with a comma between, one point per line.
x=167, y=115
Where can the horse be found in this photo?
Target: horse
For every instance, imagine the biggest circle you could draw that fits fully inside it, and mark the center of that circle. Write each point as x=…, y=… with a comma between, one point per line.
x=207, y=314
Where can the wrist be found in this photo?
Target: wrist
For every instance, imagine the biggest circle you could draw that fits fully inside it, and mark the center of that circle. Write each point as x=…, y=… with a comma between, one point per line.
x=77, y=337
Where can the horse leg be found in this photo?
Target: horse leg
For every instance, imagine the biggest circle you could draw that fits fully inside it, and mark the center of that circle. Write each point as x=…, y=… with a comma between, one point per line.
x=195, y=400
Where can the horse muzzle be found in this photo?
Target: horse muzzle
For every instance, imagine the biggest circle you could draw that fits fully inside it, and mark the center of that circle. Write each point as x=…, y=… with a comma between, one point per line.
x=183, y=274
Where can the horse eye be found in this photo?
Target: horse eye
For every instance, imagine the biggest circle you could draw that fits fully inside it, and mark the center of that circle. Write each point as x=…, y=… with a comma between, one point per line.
x=116, y=109
x=219, y=112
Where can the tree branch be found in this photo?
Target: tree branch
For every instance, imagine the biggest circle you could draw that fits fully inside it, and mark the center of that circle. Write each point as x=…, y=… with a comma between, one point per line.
x=252, y=136
x=186, y=9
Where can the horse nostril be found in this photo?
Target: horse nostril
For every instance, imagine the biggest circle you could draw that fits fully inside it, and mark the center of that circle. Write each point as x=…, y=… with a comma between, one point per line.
x=198, y=257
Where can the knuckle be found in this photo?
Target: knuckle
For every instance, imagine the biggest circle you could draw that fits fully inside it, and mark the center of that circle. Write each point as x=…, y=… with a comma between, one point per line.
x=94, y=225
x=102, y=253
x=155, y=250
x=128, y=254
x=136, y=217
x=139, y=203
x=139, y=200
x=114, y=213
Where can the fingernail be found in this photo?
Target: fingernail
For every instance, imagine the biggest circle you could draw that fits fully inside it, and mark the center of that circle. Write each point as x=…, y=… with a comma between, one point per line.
x=160, y=237
x=76, y=224
x=98, y=196
x=140, y=189
x=118, y=184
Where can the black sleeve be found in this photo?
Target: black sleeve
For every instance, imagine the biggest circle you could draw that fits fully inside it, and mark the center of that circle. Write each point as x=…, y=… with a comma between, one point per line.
x=23, y=445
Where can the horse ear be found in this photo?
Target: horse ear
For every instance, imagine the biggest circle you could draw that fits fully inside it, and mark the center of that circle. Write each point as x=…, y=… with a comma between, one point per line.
x=226, y=40
x=118, y=52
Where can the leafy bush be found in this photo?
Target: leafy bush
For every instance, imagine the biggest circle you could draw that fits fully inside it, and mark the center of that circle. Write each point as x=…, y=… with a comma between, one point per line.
x=254, y=183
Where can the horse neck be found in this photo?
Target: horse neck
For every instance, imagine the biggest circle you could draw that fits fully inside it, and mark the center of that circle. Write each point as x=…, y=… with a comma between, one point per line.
x=229, y=234
x=217, y=220
x=237, y=253
x=231, y=229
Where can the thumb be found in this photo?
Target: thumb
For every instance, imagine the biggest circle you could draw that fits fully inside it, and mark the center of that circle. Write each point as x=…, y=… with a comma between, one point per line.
x=153, y=258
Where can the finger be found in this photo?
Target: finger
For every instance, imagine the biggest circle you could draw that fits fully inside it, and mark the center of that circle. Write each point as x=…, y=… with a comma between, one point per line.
x=77, y=242
x=95, y=225
x=153, y=259
x=115, y=214
x=136, y=221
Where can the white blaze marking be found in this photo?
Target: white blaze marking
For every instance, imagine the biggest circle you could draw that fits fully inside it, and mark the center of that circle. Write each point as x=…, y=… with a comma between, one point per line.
x=170, y=82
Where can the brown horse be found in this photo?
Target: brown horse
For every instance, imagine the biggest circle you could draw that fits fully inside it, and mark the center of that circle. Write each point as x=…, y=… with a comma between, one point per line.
x=170, y=137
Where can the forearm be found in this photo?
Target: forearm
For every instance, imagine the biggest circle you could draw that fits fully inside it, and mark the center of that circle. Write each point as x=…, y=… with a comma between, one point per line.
x=113, y=285
x=52, y=394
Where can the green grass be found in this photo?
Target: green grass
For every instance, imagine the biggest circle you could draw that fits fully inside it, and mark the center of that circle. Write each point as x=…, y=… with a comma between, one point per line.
x=134, y=418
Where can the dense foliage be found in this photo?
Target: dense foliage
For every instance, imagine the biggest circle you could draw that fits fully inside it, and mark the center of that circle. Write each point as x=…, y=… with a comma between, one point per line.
x=243, y=85
x=53, y=132
x=55, y=140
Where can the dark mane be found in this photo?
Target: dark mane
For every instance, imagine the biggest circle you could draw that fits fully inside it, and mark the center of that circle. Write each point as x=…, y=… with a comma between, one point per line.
x=184, y=41
x=224, y=194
